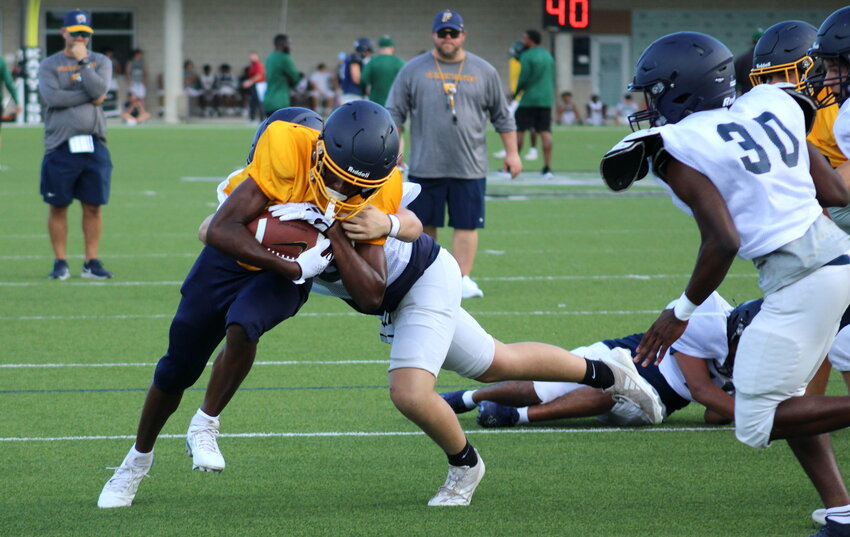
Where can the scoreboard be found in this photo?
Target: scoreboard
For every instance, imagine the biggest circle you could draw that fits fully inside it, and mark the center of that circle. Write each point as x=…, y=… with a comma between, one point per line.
x=566, y=14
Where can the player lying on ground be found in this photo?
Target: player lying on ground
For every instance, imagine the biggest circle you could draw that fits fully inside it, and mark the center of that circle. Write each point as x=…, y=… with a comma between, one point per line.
x=699, y=369
x=744, y=171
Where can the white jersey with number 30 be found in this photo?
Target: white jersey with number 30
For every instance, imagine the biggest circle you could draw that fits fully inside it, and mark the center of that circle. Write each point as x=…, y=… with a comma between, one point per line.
x=755, y=154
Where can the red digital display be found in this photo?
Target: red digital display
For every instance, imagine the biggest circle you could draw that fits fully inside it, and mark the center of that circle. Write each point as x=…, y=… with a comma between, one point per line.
x=566, y=14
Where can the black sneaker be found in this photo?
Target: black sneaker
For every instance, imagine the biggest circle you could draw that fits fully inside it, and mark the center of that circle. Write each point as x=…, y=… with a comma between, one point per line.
x=546, y=173
x=833, y=529
x=492, y=414
x=455, y=400
x=60, y=270
x=93, y=269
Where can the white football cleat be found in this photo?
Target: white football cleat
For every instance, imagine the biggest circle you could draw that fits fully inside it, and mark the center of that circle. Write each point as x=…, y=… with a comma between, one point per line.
x=819, y=517
x=531, y=154
x=500, y=154
x=460, y=485
x=202, y=446
x=470, y=289
x=629, y=383
x=121, y=488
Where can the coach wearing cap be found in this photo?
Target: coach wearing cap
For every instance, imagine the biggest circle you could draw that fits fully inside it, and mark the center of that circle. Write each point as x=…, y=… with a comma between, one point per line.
x=449, y=95
x=73, y=83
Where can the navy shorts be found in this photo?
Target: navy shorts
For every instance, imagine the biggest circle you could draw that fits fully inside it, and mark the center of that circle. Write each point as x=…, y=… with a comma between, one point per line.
x=217, y=293
x=464, y=197
x=533, y=118
x=84, y=176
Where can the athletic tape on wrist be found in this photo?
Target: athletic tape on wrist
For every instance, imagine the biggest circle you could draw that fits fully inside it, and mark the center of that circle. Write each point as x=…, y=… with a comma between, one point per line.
x=395, y=225
x=684, y=308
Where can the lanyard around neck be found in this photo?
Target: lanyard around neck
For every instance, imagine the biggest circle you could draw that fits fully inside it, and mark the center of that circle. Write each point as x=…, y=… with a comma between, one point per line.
x=450, y=88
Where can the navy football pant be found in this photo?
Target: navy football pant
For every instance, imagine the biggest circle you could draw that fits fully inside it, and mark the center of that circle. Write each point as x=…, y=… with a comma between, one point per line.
x=219, y=292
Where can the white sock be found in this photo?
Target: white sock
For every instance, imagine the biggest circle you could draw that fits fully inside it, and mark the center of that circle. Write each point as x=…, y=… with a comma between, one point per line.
x=840, y=514
x=204, y=416
x=467, y=399
x=138, y=458
x=523, y=415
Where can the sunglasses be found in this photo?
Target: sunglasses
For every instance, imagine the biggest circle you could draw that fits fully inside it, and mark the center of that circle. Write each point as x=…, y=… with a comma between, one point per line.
x=80, y=34
x=448, y=32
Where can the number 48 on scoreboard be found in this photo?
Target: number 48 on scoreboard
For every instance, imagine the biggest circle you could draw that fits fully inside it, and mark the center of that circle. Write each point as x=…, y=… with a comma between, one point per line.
x=566, y=14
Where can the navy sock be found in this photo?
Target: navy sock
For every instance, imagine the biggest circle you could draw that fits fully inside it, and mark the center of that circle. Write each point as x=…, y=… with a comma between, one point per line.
x=466, y=457
x=598, y=374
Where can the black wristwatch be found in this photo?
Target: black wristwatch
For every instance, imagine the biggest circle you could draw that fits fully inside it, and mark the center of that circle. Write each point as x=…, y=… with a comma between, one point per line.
x=85, y=61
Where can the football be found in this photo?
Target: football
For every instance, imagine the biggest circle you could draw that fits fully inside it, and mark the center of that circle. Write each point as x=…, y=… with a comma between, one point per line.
x=284, y=239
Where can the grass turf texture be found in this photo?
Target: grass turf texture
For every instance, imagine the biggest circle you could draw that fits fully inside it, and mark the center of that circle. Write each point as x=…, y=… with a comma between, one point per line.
x=568, y=269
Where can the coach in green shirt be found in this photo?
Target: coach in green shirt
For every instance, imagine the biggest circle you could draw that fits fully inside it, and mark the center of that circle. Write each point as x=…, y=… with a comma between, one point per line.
x=535, y=91
x=281, y=76
x=380, y=72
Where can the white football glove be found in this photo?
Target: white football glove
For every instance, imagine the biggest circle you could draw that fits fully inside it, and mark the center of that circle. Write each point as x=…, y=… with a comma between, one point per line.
x=302, y=211
x=313, y=262
x=513, y=106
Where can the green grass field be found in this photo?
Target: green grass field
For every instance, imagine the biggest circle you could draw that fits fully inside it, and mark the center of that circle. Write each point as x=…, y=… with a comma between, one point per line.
x=313, y=445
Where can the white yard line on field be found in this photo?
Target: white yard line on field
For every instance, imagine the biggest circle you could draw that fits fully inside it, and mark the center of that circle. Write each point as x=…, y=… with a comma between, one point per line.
x=336, y=434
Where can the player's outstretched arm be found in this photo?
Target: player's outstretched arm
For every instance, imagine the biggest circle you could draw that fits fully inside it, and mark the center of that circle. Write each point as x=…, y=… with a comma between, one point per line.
x=704, y=391
x=830, y=186
x=227, y=231
x=719, y=245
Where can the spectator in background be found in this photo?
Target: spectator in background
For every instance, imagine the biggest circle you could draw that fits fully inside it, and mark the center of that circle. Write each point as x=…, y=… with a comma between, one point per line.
x=514, y=53
x=6, y=76
x=744, y=64
x=137, y=74
x=567, y=110
x=191, y=85
x=597, y=111
x=73, y=83
x=209, y=101
x=536, y=88
x=352, y=68
x=227, y=90
x=624, y=109
x=256, y=84
x=378, y=75
x=110, y=105
x=281, y=76
x=448, y=121
x=322, y=90
x=134, y=110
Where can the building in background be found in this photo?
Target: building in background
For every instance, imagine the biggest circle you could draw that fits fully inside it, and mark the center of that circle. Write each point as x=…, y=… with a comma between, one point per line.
x=595, y=42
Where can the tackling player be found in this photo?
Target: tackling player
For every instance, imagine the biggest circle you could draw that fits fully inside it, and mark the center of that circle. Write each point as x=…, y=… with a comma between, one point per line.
x=350, y=163
x=700, y=369
x=429, y=331
x=755, y=187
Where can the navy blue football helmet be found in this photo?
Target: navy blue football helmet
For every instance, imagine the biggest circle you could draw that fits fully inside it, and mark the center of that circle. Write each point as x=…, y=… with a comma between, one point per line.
x=783, y=49
x=359, y=144
x=292, y=114
x=680, y=74
x=363, y=45
x=739, y=318
x=832, y=45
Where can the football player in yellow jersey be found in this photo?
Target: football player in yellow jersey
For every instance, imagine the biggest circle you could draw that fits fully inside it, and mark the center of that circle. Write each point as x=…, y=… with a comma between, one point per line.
x=350, y=164
x=781, y=55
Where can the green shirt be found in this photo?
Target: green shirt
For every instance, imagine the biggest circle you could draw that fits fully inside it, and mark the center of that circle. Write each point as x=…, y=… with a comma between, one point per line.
x=281, y=76
x=378, y=76
x=536, y=78
x=7, y=80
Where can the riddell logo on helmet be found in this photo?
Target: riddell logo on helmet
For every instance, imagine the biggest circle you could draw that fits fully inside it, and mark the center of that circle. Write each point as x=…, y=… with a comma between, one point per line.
x=358, y=172
x=760, y=65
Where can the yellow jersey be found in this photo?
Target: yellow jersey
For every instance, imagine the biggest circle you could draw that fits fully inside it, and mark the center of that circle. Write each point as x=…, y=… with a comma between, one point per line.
x=283, y=158
x=822, y=137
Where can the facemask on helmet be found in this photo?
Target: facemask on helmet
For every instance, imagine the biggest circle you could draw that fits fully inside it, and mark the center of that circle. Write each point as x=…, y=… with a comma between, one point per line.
x=832, y=46
x=782, y=53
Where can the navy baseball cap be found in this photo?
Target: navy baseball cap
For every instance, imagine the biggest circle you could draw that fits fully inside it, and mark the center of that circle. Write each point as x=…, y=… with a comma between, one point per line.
x=77, y=21
x=448, y=19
